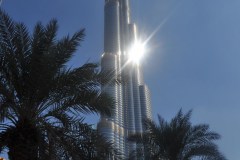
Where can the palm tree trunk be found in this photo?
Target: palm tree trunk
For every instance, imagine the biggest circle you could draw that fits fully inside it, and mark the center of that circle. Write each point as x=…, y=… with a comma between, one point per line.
x=24, y=140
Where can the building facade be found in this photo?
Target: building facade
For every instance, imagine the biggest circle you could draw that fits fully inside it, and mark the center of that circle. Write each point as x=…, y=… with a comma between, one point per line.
x=131, y=95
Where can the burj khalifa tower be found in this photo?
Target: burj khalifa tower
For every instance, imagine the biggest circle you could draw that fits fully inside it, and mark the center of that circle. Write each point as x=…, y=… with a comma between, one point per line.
x=131, y=95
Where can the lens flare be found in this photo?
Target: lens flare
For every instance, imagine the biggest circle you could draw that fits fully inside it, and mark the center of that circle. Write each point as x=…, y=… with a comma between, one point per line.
x=136, y=52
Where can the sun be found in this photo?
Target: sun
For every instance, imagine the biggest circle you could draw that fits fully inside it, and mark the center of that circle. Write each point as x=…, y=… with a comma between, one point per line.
x=136, y=52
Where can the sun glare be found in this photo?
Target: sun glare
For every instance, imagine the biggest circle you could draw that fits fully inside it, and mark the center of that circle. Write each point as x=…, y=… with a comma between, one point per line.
x=136, y=52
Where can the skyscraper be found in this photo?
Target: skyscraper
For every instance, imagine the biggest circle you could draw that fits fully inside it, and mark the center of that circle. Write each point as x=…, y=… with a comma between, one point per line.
x=131, y=95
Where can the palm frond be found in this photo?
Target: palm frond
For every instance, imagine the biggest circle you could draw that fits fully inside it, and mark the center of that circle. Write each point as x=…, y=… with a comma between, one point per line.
x=208, y=151
x=41, y=100
x=178, y=139
x=7, y=28
x=65, y=47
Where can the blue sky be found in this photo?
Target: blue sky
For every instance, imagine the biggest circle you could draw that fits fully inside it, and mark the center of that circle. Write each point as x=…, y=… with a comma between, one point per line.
x=192, y=61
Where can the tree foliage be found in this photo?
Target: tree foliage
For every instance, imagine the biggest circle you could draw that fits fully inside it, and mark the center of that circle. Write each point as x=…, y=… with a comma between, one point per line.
x=178, y=140
x=41, y=100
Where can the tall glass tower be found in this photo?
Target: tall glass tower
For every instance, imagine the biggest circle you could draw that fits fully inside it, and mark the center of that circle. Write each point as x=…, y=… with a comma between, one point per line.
x=131, y=95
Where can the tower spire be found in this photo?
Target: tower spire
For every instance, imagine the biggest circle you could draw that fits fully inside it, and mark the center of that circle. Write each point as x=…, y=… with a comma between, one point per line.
x=125, y=9
x=124, y=24
x=131, y=96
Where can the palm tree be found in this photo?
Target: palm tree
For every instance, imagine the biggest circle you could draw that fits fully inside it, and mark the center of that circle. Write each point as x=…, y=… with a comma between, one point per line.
x=90, y=145
x=40, y=98
x=82, y=142
x=178, y=140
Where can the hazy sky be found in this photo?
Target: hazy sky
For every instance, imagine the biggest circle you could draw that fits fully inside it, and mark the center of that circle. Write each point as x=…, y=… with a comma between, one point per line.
x=192, y=60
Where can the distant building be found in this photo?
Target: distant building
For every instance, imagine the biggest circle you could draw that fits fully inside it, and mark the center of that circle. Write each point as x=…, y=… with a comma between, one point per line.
x=131, y=95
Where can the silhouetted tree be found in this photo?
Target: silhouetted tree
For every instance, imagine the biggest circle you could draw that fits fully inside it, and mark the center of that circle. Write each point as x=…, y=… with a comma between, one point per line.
x=178, y=140
x=82, y=142
x=41, y=100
